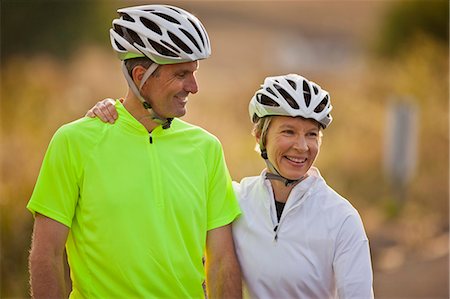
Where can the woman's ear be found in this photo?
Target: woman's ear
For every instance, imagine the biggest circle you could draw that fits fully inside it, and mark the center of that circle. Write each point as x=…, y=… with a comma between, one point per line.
x=257, y=137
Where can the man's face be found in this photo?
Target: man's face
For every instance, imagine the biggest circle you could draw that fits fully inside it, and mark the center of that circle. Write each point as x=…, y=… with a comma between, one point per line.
x=168, y=89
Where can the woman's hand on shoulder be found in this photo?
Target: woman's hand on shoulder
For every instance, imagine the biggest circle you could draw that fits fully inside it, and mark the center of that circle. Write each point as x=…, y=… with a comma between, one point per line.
x=105, y=110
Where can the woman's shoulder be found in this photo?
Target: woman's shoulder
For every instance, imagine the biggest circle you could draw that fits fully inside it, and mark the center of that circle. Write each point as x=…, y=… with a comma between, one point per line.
x=247, y=185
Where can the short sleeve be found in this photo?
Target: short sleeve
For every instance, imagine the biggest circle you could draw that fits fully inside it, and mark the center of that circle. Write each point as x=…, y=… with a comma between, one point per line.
x=56, y=191
x=223, y=207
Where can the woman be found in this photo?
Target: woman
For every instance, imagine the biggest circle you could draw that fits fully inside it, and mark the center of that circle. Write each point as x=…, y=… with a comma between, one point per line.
x=297, y=237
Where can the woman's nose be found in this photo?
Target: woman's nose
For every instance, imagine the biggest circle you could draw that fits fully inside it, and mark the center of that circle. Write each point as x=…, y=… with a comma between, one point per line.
x=301, y=144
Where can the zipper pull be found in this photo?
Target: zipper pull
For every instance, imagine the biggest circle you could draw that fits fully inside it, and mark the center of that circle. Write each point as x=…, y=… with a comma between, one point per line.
x=150, y=138
x=276, y=233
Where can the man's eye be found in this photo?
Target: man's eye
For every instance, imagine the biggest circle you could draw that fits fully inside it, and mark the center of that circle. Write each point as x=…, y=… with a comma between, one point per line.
x=289, y=132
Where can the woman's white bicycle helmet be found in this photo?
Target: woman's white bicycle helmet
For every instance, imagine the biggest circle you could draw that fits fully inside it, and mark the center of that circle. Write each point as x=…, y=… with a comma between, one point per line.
x=165, y=34
x=291, y=95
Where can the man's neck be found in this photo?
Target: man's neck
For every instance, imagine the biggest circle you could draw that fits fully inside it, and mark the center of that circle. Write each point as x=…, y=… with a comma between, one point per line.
x=135, y=108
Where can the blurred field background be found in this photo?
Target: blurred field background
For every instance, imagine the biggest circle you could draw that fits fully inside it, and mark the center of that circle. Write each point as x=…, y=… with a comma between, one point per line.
x=56, y=62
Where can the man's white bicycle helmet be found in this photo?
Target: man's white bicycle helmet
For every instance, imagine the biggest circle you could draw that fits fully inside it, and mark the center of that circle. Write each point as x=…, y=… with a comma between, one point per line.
x=291, y=95
x=163, y=33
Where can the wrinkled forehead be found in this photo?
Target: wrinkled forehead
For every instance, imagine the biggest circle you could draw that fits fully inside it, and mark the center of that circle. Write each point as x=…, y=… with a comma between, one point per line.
x=190, y=67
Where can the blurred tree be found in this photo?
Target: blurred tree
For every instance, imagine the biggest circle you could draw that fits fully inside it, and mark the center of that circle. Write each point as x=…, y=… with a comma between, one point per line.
x=52, y=27
x=404, y=20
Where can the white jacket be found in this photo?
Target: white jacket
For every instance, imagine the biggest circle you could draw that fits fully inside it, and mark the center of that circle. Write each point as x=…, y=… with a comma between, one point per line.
x=319, y=249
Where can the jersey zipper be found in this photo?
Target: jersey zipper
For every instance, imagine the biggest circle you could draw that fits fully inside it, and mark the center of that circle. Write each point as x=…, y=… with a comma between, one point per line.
x=150, y=137
x=285, y=212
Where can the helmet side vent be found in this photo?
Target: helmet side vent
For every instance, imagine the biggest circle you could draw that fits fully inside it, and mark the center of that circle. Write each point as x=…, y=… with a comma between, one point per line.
x=151, y=25
x=191, y=38
x=179, y=43
x=167, y=18
x=322, y=105
x=287, y=97
x=265, y=100
x=119, y=46
x=132, y=36
x=306, y=93
x=161, y=49
x=292, y=84
x=198, y=31
x=271, y=91
x=174, y=9
x=127, y=17
x=170, y=46
x=316, y=90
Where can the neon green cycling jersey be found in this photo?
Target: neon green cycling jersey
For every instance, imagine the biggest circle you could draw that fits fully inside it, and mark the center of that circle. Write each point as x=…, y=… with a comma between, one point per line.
x=138, y=212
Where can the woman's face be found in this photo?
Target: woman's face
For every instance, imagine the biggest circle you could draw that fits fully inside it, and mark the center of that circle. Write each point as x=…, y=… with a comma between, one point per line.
x=292, y=145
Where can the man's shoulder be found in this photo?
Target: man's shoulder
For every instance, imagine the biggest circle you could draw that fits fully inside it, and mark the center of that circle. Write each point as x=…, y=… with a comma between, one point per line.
x=194, y=132
x=81, y=130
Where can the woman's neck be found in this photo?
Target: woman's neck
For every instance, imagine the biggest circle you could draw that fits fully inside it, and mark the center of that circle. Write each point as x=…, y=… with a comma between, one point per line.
x=281, y=191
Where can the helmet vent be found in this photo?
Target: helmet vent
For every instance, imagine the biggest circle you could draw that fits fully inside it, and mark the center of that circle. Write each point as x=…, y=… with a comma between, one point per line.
x=292, y=84
x=119, y=46
x=161, y=49
x=306, y=93
x=287, y=97
x=127, y=17
x=255, y=118
x=151, y=25
x=316, y=90
x=198, y=31
x=265, y=100
x=166, y=17
x=175, y=10
x=179, y=43
x=134, y=37
x=191, y=38
x=170, y=46
x=118, y=29
x=271, y=91
x=322, y=105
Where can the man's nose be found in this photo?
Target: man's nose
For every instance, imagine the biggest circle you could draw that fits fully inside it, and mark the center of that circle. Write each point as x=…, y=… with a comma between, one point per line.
x=191, y=85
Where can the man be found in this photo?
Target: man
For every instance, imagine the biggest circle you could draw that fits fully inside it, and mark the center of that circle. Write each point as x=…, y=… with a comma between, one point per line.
x=136, y=204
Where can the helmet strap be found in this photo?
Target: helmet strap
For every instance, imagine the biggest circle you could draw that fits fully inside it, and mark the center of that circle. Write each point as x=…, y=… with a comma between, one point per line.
x=164, y=122
x=274, y=174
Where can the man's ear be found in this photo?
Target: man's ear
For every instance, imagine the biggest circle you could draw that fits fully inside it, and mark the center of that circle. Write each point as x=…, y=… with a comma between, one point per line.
x=137, y=73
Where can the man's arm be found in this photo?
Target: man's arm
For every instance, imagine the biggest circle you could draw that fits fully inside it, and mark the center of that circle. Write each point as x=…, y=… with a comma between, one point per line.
x=223, y=274
x=46, y=261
